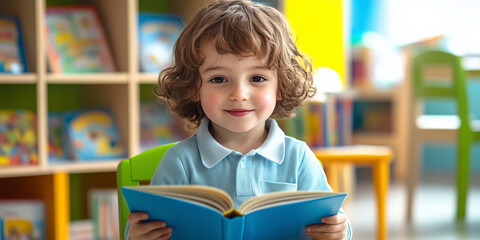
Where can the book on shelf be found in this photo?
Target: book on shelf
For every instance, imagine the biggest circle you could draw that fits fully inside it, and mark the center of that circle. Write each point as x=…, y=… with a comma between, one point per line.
x=57, y=151
x=158, y=127
x=362, y=68
x=2, y=229
x=18, y=138
x=343, y=119
x=104, y=212
x=76, y=41
x=321, y=124
x=202, y=212
x=372, y=116
x=23, y=218
x=157, y=35
x=92, y=134
x=81, y=230
x=12, y=49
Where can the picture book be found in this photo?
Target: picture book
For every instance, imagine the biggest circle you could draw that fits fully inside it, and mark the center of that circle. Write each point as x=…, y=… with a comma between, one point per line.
x=18, y=141
x=157, y=36
x=76, y=41
x=158, y=127
x=92, y=135
x=202, y=212
x=23, y=218
x=12, y=51
x=56, y=141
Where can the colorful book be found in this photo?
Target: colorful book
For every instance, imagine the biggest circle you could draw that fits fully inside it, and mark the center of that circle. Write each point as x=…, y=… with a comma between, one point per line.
x=23, y=219
x=158, y=127
x=12, y=51
x=18, y=141
x=56, y=137
x=76, y=41
x=92, y=135
x=202, y=212
x=157, y=36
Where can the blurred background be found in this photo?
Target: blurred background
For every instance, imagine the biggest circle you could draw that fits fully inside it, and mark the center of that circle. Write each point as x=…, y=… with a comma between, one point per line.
x=76, y=98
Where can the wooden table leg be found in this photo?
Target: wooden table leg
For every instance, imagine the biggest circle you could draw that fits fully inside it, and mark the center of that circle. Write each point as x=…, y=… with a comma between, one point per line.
x=380, y=179
x=333, y=177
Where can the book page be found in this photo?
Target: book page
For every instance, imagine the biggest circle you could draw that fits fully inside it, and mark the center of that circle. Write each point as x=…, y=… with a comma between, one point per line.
x=202, y=195
x=280, y=198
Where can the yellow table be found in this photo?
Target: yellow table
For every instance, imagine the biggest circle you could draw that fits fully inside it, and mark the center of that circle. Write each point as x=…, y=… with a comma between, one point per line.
x=378, y=157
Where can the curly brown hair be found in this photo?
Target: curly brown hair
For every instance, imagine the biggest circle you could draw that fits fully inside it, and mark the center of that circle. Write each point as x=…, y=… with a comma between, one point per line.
x=243, y=28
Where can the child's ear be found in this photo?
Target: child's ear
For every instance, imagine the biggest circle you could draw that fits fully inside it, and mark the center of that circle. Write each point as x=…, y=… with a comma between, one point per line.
x=196, y=98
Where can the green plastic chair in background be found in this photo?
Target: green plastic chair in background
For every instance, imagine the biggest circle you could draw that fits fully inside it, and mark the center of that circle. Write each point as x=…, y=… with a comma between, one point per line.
x=134, y=171
x=429, y=82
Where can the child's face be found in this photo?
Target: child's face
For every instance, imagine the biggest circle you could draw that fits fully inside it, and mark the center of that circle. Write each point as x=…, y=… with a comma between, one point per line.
x=237, y=94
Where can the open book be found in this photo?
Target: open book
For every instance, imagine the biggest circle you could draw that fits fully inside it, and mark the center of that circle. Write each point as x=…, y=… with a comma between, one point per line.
x=202, y=212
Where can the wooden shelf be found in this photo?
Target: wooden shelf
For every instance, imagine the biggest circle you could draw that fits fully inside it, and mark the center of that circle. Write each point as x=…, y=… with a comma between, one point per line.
x=83, y=167
x=396, y=136
x=23, y=171
x=71, y=167
x=373, y=138
x=148, y=78
x=97, y=78
x=28, y=78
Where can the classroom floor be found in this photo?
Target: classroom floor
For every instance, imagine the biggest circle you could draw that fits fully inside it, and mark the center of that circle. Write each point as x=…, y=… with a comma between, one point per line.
x=434, y=216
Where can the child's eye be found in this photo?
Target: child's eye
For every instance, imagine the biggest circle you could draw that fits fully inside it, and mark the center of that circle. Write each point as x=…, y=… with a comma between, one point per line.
x=258, y=79
x=218, y=80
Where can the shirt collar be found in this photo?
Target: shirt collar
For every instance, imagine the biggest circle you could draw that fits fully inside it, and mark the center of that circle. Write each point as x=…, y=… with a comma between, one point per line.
x=213, y=152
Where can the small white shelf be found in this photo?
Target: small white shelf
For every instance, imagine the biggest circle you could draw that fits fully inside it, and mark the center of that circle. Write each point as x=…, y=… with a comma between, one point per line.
x=27, y=78
x=97, y=78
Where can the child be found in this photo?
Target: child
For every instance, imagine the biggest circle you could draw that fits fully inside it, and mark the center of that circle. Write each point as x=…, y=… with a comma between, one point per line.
x=236, y=66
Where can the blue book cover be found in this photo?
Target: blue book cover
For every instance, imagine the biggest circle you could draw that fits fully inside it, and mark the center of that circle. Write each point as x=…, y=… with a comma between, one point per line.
x=157, y=36
x=12, y=50
x=92, y=135
x=2, y=229
x=202, y=212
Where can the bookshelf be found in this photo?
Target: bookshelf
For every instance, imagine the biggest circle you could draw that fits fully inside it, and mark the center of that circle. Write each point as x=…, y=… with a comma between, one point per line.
x=378, y=107
x=391, y=124
x=42, y=91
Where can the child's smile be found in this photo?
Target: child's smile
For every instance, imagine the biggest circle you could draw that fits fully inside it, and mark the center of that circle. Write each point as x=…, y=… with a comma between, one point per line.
x=238, y=112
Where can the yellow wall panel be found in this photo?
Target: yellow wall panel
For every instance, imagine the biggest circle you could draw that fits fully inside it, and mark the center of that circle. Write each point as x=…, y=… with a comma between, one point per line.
x=318, y=25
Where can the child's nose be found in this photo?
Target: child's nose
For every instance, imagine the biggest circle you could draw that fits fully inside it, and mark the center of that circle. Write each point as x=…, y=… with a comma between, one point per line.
x=239, y=93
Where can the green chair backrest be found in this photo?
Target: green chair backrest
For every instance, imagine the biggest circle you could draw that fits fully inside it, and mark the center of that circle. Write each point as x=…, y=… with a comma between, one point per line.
x=133, y=172
x=432, y=87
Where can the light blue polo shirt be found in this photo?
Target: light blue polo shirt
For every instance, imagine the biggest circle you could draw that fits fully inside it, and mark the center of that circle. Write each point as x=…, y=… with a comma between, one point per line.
x=282, y=163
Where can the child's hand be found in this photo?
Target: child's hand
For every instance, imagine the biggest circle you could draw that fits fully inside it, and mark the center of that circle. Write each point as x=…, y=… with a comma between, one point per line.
x=147, y=230
x=334, y=227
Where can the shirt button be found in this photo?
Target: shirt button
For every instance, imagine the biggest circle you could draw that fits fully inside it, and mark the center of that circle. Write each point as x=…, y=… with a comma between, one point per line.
x=242, y=164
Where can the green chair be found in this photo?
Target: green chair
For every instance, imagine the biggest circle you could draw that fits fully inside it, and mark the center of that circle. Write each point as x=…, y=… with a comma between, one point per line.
x=429, y=82
x=134, y=171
